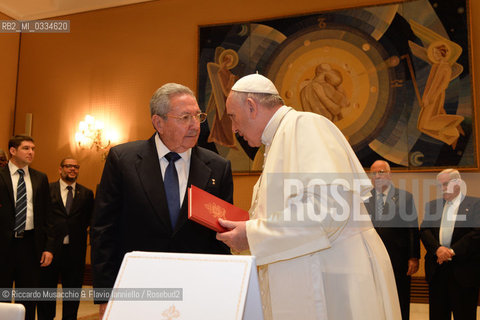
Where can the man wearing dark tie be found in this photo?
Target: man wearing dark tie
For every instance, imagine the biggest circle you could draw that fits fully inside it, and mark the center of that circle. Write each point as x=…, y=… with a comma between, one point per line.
x=26, y=241
x=450, y=232
x=72, y=206
x=395, y=218
x=141, y=201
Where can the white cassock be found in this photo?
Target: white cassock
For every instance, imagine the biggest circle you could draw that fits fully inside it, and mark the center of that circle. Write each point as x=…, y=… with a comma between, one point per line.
x=322, y=265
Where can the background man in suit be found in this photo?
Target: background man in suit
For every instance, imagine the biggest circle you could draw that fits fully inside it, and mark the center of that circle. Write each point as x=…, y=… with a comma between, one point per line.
x=72, y=206
x=450, y=232
x=26, y=242
x=395, y=218
x=141, y=201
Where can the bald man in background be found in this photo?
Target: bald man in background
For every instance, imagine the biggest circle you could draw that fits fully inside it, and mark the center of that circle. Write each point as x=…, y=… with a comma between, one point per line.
x=396, y=221
x=450, y=232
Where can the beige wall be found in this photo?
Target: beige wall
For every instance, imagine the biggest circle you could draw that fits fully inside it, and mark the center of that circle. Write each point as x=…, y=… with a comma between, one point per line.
x=8, y=81
x=112, y=61
x=110, y=64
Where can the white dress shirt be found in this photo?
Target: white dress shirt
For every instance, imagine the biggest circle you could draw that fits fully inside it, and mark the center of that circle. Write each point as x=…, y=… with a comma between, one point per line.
x=384, y=193
x=449, y=217
x=182, y=165
x=64, y=193
x=64, y=190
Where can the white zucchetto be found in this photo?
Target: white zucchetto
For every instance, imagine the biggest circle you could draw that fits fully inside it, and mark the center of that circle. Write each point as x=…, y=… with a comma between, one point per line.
x=255, y=83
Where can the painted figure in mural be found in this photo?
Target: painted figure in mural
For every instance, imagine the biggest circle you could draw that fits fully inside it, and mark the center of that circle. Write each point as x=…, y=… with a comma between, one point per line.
x=324, y=94
x=433, y=119
x=441, y=54
x=222, y=80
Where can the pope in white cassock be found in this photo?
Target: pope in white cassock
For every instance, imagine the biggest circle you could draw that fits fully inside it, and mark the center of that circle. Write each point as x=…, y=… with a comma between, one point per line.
x=318, y=255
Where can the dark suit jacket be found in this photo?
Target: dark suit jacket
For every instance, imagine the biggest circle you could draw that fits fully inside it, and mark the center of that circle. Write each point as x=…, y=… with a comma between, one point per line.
x=131, y=209
x=44, y=238
x=74, y=224
x=397, y=227
x=465, y=240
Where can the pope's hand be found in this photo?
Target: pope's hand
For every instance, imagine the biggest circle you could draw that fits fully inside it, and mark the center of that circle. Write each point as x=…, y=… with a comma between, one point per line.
x=236, y=236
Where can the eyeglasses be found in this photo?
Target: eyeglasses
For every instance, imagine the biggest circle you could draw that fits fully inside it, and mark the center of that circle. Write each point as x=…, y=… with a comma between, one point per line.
x=70, y=166
x=187, y=118
x=380, y=173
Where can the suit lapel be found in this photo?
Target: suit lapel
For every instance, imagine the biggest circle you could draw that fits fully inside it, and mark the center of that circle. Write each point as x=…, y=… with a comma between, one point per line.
x=198, y=176
x=370, y=203
x=35, y=179
x=462, y=220
x=57, y=197
x=77, y=199
x=150, y=175
x=5, y=175
x=36, y=182
x=391, y=198
x=199, y=171
x=438, y=211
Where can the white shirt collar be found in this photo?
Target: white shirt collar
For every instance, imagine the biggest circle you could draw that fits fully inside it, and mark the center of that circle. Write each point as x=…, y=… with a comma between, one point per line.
x=386, y=191
x=63, y=185
x=13, y=168
x=162, y=150
x=456, y=201
x=272, y=125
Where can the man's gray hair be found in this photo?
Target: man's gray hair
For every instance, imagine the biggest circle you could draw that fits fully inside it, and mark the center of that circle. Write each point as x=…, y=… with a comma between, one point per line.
x=452, y=173
x=160, y=102
x=267, y=100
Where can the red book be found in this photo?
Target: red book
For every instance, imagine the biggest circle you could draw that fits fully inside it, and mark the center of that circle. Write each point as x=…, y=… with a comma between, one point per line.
x=205, y=208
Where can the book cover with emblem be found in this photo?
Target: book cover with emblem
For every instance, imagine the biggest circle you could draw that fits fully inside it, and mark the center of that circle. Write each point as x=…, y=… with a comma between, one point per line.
x=205, y=208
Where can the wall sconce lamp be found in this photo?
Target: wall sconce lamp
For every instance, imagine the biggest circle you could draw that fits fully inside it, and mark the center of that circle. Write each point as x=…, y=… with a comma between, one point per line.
x=90, y=135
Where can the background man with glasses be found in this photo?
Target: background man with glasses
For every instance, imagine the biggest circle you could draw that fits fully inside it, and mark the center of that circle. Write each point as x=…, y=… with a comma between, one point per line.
x=141, y=202
x=72, y=206
x=394, y=216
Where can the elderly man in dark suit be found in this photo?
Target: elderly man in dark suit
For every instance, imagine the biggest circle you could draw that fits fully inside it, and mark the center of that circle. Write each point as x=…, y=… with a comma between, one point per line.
x=141, y=201
x=395, y=218
x=450, y=232
x=72, y=206
x=26, y=241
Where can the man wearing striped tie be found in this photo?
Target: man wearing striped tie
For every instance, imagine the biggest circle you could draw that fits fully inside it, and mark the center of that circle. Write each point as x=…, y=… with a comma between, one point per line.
x=26, y=243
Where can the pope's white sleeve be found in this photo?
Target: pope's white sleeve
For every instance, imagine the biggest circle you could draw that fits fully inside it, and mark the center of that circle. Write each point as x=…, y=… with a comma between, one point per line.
x=311, y=218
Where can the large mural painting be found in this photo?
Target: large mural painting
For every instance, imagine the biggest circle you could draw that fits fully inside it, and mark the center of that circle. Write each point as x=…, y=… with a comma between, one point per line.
x=395, y=79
